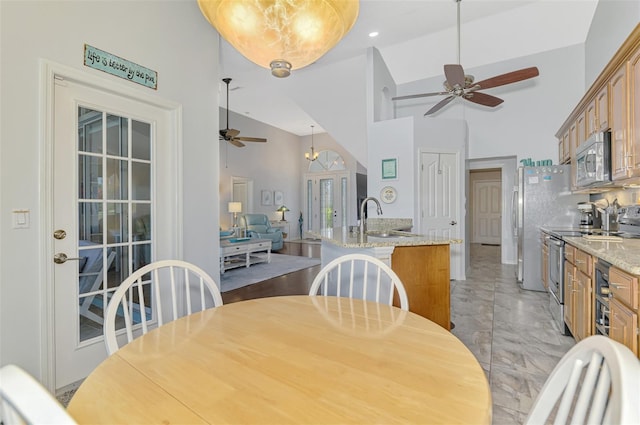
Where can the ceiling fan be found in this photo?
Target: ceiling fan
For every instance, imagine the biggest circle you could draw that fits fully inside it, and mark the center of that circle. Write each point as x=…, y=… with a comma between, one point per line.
x=458, y=84
x=231, y=134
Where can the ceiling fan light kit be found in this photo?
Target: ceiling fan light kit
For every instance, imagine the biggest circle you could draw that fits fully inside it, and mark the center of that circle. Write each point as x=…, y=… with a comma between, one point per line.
x=460, y=85
x=231, y=134
x=281, y=35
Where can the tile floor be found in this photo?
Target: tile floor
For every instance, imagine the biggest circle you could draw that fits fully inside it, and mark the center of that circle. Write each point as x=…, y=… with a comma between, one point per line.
x=509, y=330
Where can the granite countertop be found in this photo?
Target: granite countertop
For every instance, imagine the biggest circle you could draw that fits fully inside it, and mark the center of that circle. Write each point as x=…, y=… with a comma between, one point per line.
x=624, y=254
x=341, y=236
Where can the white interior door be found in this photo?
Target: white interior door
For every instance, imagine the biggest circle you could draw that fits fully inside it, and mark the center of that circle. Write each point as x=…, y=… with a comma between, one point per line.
x=440, y=188
x=105, y=174
x=487, y=211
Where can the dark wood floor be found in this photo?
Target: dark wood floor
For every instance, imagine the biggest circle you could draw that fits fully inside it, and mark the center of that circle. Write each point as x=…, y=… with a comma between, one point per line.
x=296, y=283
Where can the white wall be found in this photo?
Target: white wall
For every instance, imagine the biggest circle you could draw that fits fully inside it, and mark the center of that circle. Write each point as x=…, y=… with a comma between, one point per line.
x=278, y=164
x=612, y=23
x=186, y=60
x=334, y=96
x=532, y=112
x=272, y=166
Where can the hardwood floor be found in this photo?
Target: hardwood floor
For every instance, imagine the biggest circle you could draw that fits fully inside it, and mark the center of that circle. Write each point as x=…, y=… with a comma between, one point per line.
x=296, y=283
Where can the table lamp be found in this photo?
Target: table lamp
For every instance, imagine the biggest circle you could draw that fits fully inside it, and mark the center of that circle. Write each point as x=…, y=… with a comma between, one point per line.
x=235, y=208
x=282, y=209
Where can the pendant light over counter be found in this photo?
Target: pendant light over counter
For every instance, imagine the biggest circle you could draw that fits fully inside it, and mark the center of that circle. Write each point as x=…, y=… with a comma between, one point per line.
x=281, y=35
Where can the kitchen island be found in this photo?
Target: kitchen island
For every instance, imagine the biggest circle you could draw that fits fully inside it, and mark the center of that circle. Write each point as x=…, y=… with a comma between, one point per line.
x=422, y=263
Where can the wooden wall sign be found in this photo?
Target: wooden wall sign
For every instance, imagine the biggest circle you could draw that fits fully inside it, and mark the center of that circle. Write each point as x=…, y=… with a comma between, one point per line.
x=114, y=65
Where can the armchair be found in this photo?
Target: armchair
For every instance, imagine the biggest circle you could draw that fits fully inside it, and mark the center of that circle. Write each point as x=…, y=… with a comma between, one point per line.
x=258, y=226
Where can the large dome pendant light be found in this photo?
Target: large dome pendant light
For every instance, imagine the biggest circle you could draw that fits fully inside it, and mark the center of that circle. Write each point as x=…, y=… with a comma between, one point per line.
x=281, y=35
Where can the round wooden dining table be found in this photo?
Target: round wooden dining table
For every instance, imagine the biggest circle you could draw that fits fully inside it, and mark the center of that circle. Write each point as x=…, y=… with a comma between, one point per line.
x=293, y=359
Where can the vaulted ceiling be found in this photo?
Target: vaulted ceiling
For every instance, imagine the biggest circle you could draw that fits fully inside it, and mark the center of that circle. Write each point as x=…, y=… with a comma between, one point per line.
x=416, y=37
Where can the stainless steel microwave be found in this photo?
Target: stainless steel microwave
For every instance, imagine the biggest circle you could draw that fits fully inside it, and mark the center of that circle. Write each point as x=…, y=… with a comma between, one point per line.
x=593, y=160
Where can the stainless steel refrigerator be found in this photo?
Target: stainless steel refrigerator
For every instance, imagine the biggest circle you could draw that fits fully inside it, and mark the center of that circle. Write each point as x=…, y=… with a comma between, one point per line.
x=542, y=198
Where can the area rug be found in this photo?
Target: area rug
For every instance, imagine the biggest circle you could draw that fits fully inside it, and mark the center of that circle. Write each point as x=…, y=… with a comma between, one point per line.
x=280, y=264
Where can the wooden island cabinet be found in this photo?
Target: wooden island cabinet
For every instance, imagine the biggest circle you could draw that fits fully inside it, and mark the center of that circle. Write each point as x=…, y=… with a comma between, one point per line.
x=424, y=271
x=421, y=262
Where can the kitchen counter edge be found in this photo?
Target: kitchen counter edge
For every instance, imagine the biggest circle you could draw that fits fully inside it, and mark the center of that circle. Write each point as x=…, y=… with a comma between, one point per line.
x=623, y=254
x=343, y=238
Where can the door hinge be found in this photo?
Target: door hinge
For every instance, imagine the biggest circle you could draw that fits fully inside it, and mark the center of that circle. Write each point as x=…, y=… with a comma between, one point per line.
x=59, y=80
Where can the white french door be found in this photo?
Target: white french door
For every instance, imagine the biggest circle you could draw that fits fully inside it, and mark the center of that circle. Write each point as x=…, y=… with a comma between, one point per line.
x=106, y=209
x=326, y=197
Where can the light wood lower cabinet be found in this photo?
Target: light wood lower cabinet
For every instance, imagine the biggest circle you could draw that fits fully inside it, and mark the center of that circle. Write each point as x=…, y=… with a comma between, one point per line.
x=624, y=325
x=623, y=316
x=569, y=296
x=578, y=294
x=583, y=306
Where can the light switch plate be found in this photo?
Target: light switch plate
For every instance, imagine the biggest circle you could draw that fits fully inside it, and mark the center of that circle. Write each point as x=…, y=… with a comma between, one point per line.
x=21, y=218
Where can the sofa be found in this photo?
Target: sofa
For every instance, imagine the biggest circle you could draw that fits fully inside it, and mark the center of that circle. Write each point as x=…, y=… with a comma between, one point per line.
x=257, y=226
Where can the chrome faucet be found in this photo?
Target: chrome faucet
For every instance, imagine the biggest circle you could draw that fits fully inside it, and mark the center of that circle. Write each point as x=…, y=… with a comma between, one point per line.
x=363, y=220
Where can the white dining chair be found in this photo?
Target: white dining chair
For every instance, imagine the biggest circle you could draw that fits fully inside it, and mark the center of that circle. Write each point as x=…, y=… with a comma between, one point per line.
x=23, y=400
x=360, y=276
x=156, y=294
x=596, y=382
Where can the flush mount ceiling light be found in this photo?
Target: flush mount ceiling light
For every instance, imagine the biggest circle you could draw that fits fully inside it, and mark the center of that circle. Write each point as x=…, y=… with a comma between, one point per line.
x=281, y=35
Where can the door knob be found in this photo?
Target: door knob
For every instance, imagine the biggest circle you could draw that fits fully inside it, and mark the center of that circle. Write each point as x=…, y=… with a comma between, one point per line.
x=453, y=223
x=61, y=258
x=59, y=234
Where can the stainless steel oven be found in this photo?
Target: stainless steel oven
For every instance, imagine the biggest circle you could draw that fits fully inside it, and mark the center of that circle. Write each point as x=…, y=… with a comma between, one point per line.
x=556, y=282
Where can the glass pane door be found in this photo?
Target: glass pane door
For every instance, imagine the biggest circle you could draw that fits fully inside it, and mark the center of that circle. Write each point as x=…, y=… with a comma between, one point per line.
x=114, y=209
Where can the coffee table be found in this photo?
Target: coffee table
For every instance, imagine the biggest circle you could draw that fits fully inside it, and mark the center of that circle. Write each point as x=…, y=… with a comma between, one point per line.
x=243, y=252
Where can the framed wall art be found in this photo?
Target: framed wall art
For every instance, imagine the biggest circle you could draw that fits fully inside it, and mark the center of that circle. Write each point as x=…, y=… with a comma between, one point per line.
x=266, y=198
x=390, y=169
x=278, y=198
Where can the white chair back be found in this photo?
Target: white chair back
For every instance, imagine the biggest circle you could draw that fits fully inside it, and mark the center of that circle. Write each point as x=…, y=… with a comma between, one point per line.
x=360, y=276
x=150, y=297
x=25, y=400
x=596, y=382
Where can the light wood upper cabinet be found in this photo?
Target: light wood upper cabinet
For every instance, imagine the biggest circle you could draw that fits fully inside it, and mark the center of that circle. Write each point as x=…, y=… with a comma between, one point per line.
x=611, y=103
x=581, y=128
x=597, y=113
x=573, y=139
x=634, y=105
x=592, y=118
x=619, y=109
x=602, y=109
x=564, y=152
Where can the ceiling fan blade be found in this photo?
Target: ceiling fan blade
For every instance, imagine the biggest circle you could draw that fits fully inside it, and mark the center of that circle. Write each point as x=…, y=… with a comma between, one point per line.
x=454, y=74
x=415, y=96
x=508, y=78
x=231, y=132
x=439, y=105
x=251, y=139
x=483, y=99
x=236, y=142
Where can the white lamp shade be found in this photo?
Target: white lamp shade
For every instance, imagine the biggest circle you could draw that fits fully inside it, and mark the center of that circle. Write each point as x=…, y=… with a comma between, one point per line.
x=235, y=207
